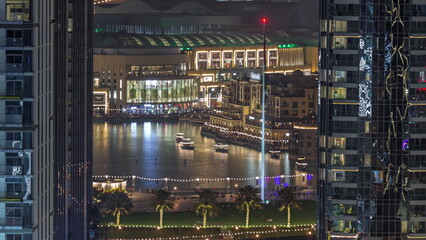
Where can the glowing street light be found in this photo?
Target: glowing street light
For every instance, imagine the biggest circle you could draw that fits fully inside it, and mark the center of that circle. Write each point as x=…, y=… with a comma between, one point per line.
x=262, y=161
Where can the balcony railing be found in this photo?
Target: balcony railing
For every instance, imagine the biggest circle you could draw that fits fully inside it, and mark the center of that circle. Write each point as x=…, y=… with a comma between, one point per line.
x=18, y=67
x=13, y=144
x=11, y=93
x=14, y=67
x=14, y=42
x=8, y=195
x=13, y=119
x=268, y=124
x=13, y=170
x=345, y=129
x=11, y=221
x=226, y=116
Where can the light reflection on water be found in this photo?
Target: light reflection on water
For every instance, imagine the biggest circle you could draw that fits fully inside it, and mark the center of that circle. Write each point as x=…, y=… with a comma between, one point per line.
x=150, y=150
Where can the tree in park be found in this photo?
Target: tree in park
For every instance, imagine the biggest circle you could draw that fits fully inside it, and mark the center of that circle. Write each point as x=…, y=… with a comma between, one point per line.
x=247, y=199
x=117, y=202
x=206, y=205
x=163, y=201
x=287, y=201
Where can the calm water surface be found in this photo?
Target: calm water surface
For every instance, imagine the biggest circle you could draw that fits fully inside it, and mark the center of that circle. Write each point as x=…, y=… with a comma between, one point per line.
x=149, y=149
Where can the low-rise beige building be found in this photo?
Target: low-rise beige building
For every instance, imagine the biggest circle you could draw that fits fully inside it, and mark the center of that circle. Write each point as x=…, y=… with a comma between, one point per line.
x=291, y=100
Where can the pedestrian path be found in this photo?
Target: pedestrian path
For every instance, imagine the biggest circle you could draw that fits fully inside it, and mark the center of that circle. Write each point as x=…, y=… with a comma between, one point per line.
x=185, y=202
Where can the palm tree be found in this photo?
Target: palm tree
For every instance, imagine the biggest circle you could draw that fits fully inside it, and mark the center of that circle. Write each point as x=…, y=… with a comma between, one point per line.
x=247, y=199
x=287, y=200
x=206, y=205
x=163, y=201
x=117, y=203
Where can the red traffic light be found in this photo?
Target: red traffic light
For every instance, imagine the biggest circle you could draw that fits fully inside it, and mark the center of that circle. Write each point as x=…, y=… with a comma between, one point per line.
x=264, y=20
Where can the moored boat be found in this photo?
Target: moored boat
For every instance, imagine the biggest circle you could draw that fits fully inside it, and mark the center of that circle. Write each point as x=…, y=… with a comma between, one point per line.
x=187, y=143
x=221, y=147
x=179, y=136
x=301, y=163
x=274, y=154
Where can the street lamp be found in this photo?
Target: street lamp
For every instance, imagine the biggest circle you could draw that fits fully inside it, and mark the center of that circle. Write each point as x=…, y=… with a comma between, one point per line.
x=262, y=163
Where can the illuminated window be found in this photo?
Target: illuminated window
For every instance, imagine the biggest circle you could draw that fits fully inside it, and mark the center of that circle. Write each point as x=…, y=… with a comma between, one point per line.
x=96, y=82
x=215, y=60
x=251, y=59
x=201, y=60
x=340, y=26
x=340, y=76
x=239, y=59
x=17, y=10
x=337, y=93
x=227, y=60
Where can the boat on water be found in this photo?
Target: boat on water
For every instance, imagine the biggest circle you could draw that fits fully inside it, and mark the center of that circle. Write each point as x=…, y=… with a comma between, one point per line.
x=221, y=148
x=274, y=154
x=179, y=136
x=187, y=143
x=301, y=163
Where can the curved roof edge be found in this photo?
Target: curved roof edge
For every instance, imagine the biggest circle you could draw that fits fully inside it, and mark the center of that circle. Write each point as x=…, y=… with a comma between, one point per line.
x=119, y=40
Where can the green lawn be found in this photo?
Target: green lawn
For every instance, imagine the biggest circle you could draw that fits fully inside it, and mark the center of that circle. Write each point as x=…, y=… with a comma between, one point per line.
x=227, y=217
x=241, y=233
x=130, y=233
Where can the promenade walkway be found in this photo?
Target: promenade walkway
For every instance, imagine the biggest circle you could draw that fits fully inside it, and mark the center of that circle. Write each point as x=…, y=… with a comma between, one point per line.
x=185, y=201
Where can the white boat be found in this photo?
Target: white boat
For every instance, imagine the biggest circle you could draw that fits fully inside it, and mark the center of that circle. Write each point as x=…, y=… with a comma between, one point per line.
x=301, y=163
x=187, y=143
x=274, y=154
x=221, y=147
x=179, y=136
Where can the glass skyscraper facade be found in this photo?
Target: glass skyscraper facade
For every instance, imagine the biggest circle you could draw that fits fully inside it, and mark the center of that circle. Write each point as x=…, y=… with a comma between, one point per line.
x=45, y=112
x=372, y=129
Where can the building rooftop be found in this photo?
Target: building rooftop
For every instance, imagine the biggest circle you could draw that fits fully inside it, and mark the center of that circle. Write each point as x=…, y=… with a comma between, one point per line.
x=293, y=81
x=123, y=40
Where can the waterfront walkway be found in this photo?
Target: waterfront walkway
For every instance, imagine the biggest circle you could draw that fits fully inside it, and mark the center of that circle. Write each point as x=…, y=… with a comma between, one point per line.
x=185, y=202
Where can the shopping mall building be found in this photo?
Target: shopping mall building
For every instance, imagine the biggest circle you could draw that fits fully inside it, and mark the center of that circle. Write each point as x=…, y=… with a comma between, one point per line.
x=146, y=62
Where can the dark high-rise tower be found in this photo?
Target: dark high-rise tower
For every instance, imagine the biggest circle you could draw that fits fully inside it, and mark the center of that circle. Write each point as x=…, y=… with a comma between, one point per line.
x=45, y=112
x=372, y=130
x=73, y=114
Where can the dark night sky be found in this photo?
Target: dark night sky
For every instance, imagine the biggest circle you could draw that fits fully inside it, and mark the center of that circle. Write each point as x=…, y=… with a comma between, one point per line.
x=299, y=18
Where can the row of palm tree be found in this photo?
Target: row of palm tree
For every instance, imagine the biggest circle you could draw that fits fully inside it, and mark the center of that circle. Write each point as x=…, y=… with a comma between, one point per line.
x=117, y=202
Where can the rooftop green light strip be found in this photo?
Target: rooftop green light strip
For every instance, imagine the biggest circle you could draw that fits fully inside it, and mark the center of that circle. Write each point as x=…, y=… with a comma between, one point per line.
x=291, y=45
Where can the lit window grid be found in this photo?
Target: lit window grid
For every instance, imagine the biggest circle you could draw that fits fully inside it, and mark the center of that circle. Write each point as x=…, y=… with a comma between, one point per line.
x=234, y=58
x=154, y=91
